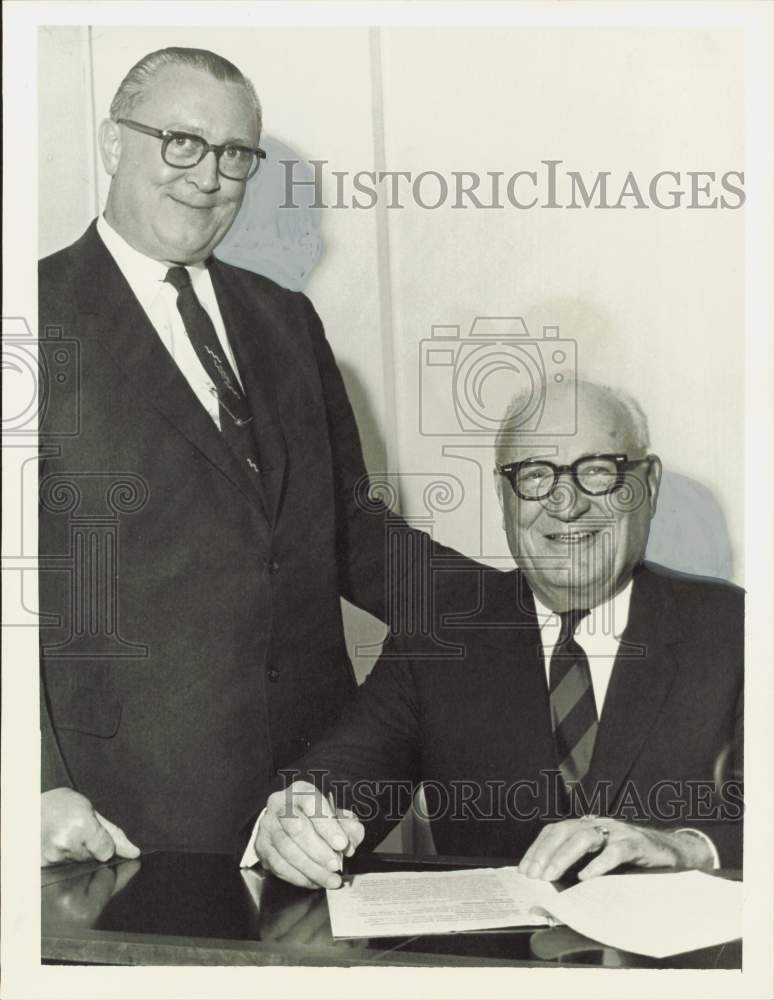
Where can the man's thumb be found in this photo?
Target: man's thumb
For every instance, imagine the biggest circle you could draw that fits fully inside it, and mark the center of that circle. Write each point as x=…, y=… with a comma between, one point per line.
x=124, y=847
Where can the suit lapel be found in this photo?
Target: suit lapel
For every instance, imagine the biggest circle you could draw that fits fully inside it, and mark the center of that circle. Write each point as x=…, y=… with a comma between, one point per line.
x=122, y=330
x=508, y=625
x=642, y=676
x=640, y=683
x=247, y=323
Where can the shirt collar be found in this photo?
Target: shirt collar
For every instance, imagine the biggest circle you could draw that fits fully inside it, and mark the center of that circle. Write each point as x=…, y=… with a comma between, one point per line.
x=614, y=609
x=143, y=273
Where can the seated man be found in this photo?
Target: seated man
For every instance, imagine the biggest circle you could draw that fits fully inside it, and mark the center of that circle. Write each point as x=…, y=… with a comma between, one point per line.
x=585, y=703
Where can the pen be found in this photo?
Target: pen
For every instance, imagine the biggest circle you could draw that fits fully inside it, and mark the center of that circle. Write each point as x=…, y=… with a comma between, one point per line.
x=332, y=804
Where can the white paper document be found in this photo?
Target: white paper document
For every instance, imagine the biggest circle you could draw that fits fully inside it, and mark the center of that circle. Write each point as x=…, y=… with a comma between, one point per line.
x=656, y=915
x=401, y=903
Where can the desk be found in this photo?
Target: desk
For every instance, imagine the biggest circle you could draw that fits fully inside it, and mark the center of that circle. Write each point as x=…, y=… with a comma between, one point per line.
x=182, y=908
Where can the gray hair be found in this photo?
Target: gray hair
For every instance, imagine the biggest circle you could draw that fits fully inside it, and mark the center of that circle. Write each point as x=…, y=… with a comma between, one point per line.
x=134, y=85
x=509, y=426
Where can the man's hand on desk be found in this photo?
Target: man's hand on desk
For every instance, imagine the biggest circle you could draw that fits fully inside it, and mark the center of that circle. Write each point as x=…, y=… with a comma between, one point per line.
x=72, y=830
x=301, y=837
x=560, y=845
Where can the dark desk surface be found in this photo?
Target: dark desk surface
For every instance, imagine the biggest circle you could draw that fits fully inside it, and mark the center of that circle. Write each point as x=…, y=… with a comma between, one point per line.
x=179, y=908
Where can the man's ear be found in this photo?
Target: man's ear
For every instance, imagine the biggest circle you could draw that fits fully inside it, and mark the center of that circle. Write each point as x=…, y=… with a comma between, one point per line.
x=498, y=484
x=110, y=145
x=654, y=481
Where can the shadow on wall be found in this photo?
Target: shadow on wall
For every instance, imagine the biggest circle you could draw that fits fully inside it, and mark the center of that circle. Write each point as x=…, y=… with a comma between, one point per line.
x=689, y=532
x=283, y=244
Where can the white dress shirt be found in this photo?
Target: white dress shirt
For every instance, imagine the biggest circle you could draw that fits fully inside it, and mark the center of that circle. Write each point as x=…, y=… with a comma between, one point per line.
x=159, y=300
x=598, y=634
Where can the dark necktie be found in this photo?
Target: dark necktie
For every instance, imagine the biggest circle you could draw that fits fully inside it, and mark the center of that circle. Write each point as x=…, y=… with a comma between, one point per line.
x=235, y=418
x=573, y=709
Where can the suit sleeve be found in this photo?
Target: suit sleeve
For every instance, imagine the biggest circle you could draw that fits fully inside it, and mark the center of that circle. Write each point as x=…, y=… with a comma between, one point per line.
x=53, y=770
x=370, y=760
x=53, y=306
x=726, y=829
x=367, y=576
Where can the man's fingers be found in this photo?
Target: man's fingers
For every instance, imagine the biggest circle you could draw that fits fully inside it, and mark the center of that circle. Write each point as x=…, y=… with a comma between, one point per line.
x=322, y=816
x=306, y=831
x=72, y=830
x=52, y=855
x=283, y=868
x=354, y=830
x=295, y=853
x=616, y=853
x=303, y=833
x=541, y=850
x=583, y=841
x=124, y=848
x=97, y=842
x=560, y=845
x=637, y=846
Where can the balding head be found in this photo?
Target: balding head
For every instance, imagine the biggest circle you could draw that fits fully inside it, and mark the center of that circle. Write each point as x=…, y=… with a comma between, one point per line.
x=562, y=404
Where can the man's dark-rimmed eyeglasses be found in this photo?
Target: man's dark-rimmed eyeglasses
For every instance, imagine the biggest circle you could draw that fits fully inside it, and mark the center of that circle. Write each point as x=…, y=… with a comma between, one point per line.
x=595, y=475
x=184, y=150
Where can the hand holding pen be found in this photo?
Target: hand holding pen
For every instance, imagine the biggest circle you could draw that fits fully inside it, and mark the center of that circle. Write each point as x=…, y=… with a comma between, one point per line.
x=304, y=838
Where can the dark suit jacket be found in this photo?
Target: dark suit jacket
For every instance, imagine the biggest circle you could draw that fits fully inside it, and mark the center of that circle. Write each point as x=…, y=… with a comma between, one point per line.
x=193, y=638
x=467, y=713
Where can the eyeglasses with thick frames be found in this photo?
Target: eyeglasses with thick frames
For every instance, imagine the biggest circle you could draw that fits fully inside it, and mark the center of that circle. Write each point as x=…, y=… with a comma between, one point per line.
x=185, y=150
x=595, y=475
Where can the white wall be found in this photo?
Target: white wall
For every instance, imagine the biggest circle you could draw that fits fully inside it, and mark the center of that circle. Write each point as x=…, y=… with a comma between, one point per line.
x=653, y=299
x=67, y=168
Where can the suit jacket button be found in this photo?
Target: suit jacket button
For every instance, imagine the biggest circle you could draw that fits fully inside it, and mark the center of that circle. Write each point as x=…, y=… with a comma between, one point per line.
x=273, y=675
x=273, y=566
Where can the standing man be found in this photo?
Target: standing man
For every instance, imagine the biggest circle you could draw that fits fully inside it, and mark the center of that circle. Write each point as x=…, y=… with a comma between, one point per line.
x=586, y=704
x=199, y=648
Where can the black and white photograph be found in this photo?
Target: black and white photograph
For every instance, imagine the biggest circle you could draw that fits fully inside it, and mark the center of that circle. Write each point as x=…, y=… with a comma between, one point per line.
x=386, y=448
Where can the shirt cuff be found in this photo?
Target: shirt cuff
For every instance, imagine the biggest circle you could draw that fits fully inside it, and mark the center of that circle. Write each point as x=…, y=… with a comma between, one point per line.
x=698, y=833
x=250, y=857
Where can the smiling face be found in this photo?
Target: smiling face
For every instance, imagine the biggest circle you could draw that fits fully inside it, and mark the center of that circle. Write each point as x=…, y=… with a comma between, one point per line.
x=166, y=213
x=578, y=550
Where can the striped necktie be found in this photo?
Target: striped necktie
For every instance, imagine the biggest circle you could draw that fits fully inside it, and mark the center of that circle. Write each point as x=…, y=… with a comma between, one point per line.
x=234, y=412
x=573, y=709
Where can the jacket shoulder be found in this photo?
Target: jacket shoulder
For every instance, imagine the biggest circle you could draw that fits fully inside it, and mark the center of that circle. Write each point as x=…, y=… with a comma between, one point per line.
x=252, y=281
x=56, y=286
x=61, y=266
x=55, y=266
x=700, y=595
x=462, y=599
